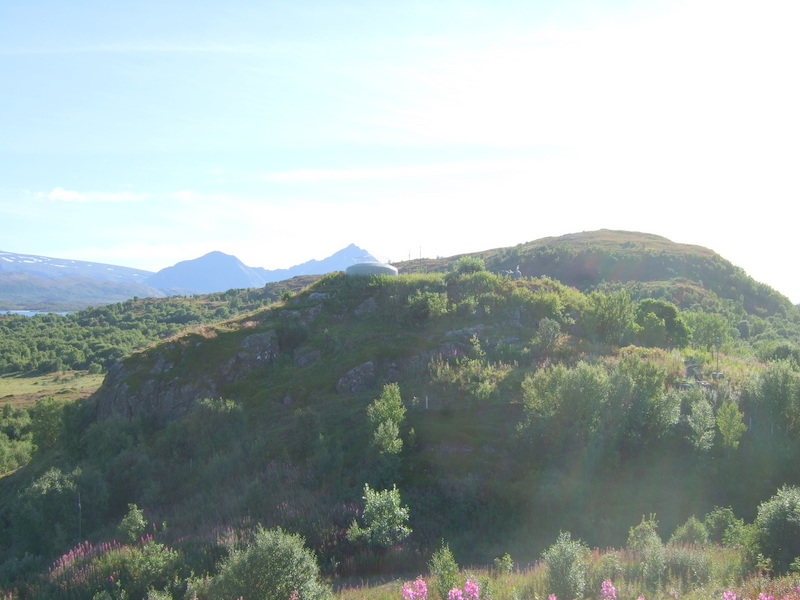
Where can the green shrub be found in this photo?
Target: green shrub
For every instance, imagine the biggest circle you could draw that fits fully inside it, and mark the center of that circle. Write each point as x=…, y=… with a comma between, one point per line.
x=47, y=422
x=644, y=540
x=110, y=571
x=469, y=264
x=778, y=528
x=274, y=566
x=133, y=524
x=444, y=568
x=720, y=523
x=567, y=567
x=13, y=453
x=691, y=565
x=152, y=565
x=56, y=508
x=426, y=305
x=691, y=533
x=384, y=517
x=503, y=564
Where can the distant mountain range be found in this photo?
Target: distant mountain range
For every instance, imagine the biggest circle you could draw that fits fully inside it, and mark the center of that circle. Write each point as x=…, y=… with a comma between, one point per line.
x=217, y=272
x=40, y=283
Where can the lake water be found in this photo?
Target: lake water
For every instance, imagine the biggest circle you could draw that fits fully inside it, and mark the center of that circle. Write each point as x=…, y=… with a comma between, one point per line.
x=30, y=313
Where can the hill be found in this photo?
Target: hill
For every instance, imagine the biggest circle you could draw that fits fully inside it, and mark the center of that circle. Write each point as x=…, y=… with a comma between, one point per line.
x=529, y=407
x=653, y=264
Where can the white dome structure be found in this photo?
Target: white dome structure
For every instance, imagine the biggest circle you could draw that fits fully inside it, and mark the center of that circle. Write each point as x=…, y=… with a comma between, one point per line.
x=371, y=268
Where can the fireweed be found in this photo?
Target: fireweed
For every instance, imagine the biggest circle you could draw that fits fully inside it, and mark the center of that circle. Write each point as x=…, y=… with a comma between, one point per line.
x=418, y=590
x=608, y=591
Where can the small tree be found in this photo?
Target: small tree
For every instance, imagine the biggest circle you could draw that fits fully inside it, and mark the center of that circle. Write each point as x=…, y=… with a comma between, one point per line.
x=611, y=317
x=730, y=425
x=386, y=414
x=691, y=533
x=701, y=424
x=384, y=519
x=133, y=524
x=47, y=422
x=567, y=567
x=548, y=336
x=645, y=541
x=778, y=528
x=722, y=524
x=444, y=567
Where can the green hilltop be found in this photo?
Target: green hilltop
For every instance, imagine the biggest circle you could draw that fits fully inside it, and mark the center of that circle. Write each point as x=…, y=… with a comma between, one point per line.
x=569, y=384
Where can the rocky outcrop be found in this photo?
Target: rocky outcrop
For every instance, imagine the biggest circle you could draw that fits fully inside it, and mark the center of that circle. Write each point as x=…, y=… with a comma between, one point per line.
x=368, y=306
x=357, y=379
x=158, y=387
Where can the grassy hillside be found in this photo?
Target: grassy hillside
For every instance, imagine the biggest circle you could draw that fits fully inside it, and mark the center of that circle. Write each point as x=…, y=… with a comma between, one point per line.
x=95, y=338
x=530, y=407
x=596, y=258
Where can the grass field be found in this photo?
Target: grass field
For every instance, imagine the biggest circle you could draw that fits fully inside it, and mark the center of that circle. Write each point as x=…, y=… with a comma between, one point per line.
x=25, y=391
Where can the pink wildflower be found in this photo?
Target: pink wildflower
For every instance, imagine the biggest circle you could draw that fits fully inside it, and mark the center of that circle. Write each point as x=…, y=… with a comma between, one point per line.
x=455, y=594
x=552, y=597
x=763, y=596
x=471, y=591
x=728, y=595
x=415, y=591
x=608, y=591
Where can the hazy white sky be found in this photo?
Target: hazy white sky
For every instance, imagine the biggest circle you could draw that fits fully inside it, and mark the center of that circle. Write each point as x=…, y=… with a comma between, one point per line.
x=145, y=133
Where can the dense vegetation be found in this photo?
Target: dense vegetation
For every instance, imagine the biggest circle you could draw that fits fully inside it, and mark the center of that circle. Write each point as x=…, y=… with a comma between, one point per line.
x=95, y=338
x=497, y=414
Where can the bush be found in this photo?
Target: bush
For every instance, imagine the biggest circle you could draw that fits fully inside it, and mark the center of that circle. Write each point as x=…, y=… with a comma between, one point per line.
x=274, y=566
x=691, y=565
x=778, y=528
x=567, y=567
x=503, y=564
x=425, y=305
x=384, y=517
x=720, y=524
x=645, y=541
x=133, y=524
x=444, y=567
x=691, y=533
x=56, y=508
x=110, y=571
x=469, y=264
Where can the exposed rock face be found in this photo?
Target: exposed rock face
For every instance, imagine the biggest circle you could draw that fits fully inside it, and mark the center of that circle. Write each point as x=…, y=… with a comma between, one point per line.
x=304, y=316
x=366, y=307
x=307, y=357
x=357, y=379
x=159, y=389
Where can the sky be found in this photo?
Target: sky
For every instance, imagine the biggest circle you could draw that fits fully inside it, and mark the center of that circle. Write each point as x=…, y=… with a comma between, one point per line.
x=146, y=133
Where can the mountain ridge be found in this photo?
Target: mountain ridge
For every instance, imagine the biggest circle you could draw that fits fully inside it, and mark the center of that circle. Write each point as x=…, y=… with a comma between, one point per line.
x=40, y=283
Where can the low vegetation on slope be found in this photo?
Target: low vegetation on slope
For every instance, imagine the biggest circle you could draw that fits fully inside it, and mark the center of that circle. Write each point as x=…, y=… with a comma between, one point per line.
x=501, y=410
x=95, y=338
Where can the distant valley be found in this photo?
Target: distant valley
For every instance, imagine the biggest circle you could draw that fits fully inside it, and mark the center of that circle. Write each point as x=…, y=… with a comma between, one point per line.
x=40, y=283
